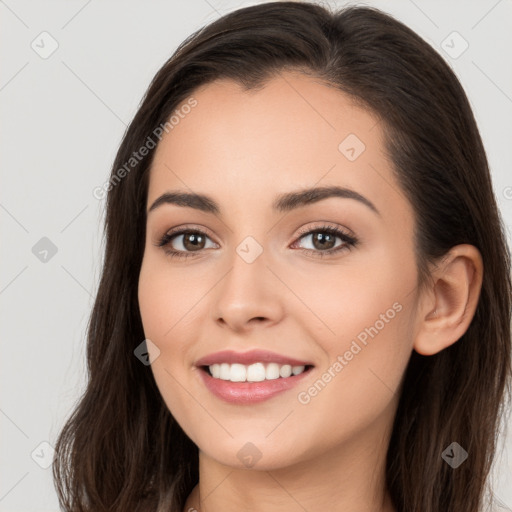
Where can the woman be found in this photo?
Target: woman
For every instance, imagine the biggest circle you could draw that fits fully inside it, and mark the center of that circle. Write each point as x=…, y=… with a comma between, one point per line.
x=305, y=298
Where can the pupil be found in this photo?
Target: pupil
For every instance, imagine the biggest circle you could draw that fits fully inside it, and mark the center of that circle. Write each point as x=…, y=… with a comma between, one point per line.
x=192, y=240
x=323, y=238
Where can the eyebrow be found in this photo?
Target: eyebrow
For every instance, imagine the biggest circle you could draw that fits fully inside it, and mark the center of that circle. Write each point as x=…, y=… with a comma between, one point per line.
x=282, y=203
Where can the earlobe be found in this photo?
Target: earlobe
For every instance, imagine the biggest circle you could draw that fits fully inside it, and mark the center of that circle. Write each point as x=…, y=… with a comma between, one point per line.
x=452, y=300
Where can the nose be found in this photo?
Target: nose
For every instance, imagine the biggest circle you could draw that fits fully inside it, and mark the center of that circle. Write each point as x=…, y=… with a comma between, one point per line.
x=249, y=294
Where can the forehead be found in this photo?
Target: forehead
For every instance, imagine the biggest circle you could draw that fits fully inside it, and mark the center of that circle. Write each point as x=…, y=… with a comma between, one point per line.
x=295, y=132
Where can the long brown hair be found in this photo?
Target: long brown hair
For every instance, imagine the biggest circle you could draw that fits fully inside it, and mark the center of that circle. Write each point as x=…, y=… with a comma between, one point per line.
x=121, y=448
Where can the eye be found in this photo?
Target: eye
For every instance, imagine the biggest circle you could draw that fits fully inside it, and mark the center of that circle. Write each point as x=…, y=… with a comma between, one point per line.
x=323, y=240
x=189, y=241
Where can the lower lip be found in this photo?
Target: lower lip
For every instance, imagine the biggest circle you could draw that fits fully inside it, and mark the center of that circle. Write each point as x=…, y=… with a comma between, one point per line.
x=250, y=392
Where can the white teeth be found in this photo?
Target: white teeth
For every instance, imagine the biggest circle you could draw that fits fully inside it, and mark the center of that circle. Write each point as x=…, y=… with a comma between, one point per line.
x=225, y=371
x=238, y=373
x=256, y=372
x=215, y=370
x=297, y=369
x=285, y=370
x=272, y=371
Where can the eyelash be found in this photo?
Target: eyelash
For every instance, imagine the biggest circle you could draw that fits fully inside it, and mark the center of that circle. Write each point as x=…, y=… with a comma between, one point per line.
x=350, y=241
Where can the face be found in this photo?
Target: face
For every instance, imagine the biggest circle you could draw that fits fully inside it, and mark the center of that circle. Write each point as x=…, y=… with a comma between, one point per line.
x=325, y=282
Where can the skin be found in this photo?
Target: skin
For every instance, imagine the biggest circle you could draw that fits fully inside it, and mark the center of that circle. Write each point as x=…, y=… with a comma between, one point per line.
x=242, y=149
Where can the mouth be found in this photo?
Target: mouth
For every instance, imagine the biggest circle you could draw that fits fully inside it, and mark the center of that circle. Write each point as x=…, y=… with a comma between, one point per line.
x=256, y=372
x=252, y=376
x=245, y=385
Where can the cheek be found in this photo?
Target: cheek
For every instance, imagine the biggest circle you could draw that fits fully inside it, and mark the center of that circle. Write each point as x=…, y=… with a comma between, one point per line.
x=167, y=299
x=166, y=303
x=164, y=300
x=359, y=385
x=366, y=290
x=362, y=321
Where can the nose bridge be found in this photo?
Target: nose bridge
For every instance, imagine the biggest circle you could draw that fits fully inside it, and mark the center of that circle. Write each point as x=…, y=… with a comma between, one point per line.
x=248, y=290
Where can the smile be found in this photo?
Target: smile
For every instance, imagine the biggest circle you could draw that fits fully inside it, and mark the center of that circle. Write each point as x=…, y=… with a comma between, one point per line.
x=241, y=384
x=256, y=372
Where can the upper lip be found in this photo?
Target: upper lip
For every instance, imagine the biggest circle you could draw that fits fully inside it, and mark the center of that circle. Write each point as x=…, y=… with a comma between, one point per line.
x=247, y=358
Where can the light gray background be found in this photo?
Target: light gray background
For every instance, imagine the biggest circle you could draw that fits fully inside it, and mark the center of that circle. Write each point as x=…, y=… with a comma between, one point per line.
x=63, y=118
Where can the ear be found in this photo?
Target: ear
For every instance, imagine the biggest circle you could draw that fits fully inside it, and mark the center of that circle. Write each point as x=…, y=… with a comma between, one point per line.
x=450, y=300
